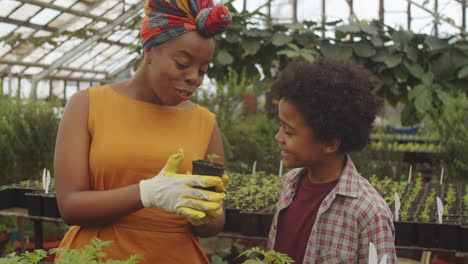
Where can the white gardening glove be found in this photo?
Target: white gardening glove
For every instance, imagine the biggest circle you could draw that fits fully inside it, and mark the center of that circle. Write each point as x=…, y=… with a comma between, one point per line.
x=175, y=193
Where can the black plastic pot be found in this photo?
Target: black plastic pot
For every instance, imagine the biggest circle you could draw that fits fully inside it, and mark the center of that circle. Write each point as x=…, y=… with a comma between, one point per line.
x=50, y=206
x=203, y=167
x=405, y=233
x=7, y=197
x=250, y=224
x=427, y=235
x=265, y=223
x=34, y=203
x=449, y=236
x=464, y=233
x=233, y=220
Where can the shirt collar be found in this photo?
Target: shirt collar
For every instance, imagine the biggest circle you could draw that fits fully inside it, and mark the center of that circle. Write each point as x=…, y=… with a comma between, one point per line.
x=348, y=185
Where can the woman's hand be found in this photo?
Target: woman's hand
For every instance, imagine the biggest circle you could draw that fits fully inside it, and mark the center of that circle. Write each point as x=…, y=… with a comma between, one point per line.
x=175, y=193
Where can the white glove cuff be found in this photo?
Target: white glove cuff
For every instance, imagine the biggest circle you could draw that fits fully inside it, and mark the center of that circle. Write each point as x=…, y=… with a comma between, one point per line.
x=145, y=192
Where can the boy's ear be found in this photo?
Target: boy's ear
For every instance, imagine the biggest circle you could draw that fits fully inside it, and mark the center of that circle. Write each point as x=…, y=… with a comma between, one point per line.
x=332, y=145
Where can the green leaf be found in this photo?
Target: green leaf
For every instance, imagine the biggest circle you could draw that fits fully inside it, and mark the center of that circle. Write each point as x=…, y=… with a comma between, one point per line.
x=352, y=28
x=401, y=36
x=435, y=43
x=463, y=73
x=224, y=58
x=255, y=32
x=280, y=39
x=369, y=29
x=232, y=36
x=428, y=78
x=416, y=91
x=377, y=41
x=423, y=102
x=443, y=96
x=364, y=50
x=251, y=46
x=415, y=69
x=411, y=53
x=392, y=60
x=335, y=50
x=409, y=116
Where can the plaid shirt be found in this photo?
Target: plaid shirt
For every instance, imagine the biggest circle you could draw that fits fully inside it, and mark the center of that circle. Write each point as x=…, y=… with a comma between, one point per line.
x=351, y=215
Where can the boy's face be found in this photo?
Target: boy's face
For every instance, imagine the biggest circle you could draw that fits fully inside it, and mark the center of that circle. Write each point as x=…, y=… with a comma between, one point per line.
x=299, y=148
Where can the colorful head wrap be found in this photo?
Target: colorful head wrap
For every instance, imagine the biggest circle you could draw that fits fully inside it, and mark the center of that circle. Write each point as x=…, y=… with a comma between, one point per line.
x=167, y=19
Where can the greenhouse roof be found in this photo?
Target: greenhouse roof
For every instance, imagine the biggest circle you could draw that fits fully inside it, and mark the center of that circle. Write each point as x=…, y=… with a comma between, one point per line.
x=71, y=40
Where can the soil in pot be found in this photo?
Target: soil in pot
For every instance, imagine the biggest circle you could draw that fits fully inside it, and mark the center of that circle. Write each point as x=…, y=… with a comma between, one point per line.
x=203, y=167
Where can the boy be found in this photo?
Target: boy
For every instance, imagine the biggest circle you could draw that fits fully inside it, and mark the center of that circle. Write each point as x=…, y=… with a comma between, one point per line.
x=327, y=212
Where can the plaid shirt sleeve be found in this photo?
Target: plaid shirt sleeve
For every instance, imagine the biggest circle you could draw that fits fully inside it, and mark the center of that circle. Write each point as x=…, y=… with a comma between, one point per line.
x=380, y=231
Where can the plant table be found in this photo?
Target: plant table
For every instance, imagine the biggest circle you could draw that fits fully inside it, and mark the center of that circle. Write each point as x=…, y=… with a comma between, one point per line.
x=21, y=214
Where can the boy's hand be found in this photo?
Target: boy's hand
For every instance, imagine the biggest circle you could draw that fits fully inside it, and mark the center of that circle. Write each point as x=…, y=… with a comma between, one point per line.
x=175, y=193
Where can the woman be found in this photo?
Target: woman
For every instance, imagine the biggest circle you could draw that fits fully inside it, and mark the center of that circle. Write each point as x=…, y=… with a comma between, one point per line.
x=114, y=139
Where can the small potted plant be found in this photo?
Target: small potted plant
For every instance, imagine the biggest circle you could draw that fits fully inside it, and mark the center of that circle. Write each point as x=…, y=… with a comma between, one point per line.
x=208, y=168
x=449, y=230
x=427, y=227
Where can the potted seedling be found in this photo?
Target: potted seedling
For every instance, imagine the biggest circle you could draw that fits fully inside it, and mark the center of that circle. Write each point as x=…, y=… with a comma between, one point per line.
x=427, y=228
x=259, y=256
x=464, y=219
x=43, y=203
x=208, y=168
x=449, y=229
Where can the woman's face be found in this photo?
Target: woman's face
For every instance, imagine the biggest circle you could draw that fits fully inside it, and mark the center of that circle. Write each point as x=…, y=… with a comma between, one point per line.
x=177, y=67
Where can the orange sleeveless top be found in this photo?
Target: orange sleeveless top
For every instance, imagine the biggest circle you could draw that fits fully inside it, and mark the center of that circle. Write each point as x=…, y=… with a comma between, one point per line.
x=131, y=141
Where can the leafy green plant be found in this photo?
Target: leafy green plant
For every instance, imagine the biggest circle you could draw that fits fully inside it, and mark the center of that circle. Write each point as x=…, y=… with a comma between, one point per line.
x=212, y=157
x=91, y=254
x=450, y=199
x=27, y=137
x=430, y=200
x=262, y=257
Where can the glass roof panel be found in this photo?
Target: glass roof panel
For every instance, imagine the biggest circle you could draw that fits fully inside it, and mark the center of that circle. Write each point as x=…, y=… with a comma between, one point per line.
x=81, y=6
x=25, y=12
x=4, y=49
x=45, y=16
x=7, y=7
x=37, y=54
x=79, y=24
x=65, y=3
x=33, y=70
x=42, y=33
x=115, y=12
x=88, y=55
x=25, y=31
x=6, y=29
x=61, y=20
x=101, y=9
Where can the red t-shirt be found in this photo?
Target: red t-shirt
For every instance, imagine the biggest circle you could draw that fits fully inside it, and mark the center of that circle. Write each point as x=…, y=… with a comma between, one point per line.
x=295, y=222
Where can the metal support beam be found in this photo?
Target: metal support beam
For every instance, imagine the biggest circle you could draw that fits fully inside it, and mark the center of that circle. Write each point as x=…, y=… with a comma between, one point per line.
x=436, y=18
x=409, y=18
x=45, y=66
x=52, y=30
x=382, y=11
x=463, y=28
x=324, y=17
x=54, y=78
x=67, y=10
x=134, y=10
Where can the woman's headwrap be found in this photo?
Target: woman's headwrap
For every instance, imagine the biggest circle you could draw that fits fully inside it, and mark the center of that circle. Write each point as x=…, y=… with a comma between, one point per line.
x=167, y=19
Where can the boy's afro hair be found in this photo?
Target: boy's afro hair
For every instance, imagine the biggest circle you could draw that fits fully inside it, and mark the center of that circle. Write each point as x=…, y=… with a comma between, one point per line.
x=335, y=97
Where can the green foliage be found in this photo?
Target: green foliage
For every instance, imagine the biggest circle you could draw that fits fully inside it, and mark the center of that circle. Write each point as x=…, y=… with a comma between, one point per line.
x=263, y=257
x=254, y=192
x=452, y=124
x=90, y=254
x=27, y=138
x=416, y=69
x=450, y=199
x=212, y=157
